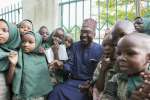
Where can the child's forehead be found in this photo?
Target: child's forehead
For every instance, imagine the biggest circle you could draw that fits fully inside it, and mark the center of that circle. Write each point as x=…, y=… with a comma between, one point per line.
x=44, y=29
x=59, y=34
x=3, y=24
x=28, y=36
x=68, y=37
x=107, y=42
x=26, y=23
x=129, y=42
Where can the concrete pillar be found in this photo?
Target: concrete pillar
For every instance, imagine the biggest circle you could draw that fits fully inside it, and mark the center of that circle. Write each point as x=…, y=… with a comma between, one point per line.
x=41, y=12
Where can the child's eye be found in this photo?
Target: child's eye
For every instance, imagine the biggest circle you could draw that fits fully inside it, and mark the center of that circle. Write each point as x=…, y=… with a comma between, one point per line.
x=21, y=27
x=30, y=42
x=5, y=29
x=29, y=28
x=130, y=53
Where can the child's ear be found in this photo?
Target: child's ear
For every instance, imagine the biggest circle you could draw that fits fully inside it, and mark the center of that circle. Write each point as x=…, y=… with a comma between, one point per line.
x=148, y=57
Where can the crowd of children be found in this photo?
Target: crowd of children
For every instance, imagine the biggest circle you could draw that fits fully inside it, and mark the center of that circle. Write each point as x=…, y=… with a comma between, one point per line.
x=44, y=66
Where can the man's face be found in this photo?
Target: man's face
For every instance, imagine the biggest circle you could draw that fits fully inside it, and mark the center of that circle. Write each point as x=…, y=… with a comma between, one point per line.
x=86, y=37
x=131, y=56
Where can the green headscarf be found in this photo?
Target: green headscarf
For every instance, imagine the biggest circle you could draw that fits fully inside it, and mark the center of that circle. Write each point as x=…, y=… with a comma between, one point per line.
x=12, y=44
x=38, y=41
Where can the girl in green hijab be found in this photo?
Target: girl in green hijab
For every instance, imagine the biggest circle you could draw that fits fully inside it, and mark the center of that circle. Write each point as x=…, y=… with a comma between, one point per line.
x=31, y=80
x=9, y=42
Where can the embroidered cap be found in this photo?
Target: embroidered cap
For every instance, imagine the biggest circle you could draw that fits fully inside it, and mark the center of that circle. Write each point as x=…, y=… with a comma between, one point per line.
x=89, y=24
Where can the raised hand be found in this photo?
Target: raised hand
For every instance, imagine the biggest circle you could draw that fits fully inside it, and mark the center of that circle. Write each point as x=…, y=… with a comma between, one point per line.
x=13, y=57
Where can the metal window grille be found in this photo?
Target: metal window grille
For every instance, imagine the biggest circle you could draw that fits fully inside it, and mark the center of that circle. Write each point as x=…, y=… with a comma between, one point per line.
x=12, y=13
x=106, y=12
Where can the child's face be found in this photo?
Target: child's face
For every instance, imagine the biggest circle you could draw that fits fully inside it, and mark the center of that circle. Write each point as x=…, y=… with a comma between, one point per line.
x=108, y=47
x=25, y=27
x=68, y=42
x=4, y=32
x=28, y=43
x=60, y=34
x=44, y=33
x=58, y=37
x=139, y=24
x=131, y=57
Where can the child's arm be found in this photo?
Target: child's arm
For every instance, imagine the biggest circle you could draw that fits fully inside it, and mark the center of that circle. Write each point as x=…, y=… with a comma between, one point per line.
x=102, y=73
x=110, y=90
x=13, y=58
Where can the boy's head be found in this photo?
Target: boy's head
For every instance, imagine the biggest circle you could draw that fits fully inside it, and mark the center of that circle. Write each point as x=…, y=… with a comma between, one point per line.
x=68, y=40
x=58, y=35
x=25, y=26
x=4, y=32
x=133, y=53
x=108, y=45
x=43, y=31
x=120, y=29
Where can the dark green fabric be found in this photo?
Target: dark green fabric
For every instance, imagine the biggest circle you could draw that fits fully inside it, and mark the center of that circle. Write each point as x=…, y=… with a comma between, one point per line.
x=12, y=44
x=132, y=82
x=32, y=77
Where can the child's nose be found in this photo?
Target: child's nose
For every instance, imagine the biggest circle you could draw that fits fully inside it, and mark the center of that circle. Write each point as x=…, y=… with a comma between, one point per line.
x=26, y=44
x=25, y=29
x=122, y=57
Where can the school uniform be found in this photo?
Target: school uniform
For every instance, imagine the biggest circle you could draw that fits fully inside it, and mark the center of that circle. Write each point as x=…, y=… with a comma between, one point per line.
x=121, y=86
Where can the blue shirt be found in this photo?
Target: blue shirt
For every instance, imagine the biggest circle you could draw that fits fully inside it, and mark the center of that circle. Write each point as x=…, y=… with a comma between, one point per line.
x=83, y=60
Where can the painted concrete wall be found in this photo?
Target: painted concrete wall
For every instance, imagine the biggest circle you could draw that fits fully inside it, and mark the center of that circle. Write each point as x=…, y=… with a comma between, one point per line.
x=41, y=12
